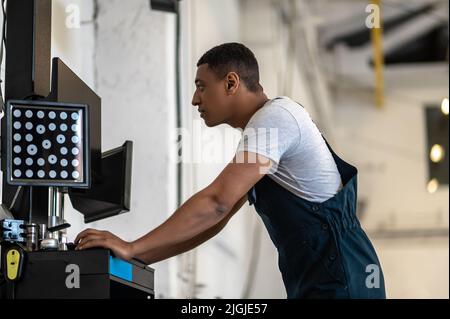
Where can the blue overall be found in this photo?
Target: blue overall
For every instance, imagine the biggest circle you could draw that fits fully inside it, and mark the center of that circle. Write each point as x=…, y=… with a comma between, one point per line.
x=323, y=251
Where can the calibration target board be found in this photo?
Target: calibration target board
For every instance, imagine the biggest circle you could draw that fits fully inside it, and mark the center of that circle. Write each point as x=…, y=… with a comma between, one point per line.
x=47, y=144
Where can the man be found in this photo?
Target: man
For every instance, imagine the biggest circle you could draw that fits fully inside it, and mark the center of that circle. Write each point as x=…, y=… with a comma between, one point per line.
x=304, y=193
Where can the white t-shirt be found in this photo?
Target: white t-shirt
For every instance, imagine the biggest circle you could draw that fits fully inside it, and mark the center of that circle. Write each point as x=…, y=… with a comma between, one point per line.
x=283, y=131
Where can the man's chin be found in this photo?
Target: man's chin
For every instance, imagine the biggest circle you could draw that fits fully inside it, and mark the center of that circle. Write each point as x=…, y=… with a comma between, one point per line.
x=210, y=123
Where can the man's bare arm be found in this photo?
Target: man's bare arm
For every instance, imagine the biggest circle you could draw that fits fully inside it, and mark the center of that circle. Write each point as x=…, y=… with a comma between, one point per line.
x=201, y=212
x=164, y=253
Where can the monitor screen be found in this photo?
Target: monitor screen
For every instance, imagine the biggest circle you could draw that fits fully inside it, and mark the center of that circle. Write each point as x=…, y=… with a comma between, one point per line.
x=109, y=194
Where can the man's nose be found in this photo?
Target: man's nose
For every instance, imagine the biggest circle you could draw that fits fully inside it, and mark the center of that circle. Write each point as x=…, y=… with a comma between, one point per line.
x=195, y=100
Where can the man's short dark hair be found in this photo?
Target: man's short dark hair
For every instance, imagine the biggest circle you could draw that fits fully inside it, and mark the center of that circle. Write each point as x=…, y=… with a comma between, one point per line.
x=233, y=57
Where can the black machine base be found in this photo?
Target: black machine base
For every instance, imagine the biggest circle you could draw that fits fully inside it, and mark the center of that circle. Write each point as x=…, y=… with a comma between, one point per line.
x=86, y=274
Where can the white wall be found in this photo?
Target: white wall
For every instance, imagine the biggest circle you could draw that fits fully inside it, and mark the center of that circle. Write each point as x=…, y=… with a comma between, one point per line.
x=219, y=265
x=127, y=57
x=415, y=267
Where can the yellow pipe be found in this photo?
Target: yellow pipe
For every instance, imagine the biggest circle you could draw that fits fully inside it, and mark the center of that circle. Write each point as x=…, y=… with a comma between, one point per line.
x=378, y=57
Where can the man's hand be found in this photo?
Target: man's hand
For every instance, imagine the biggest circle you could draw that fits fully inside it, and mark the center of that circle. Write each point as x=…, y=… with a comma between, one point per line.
x=98, y=238
x=197, y=219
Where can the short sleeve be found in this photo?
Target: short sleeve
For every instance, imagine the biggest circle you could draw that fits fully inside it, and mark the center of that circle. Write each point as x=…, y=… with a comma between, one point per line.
x=272, y=132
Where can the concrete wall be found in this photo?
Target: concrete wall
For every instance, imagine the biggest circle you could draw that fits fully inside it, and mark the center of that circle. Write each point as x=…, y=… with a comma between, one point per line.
x=127, y=56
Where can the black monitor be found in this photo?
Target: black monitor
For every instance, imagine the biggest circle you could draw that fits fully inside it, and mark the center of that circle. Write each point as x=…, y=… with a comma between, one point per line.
x=67, y=87
x=110, y=192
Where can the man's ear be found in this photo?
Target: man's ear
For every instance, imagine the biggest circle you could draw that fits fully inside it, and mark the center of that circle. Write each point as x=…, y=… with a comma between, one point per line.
x=232, y=82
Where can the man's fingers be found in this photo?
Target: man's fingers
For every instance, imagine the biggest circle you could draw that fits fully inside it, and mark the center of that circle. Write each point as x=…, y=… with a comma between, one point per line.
x=89, y=237
x=83, y=234
x=87, y=232
x=98, y=242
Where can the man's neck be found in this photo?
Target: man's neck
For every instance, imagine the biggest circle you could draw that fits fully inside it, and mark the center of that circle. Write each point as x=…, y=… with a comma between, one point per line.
x=249, y=106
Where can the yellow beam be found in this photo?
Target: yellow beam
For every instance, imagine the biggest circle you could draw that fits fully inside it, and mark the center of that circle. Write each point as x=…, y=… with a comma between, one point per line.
x=378, y=57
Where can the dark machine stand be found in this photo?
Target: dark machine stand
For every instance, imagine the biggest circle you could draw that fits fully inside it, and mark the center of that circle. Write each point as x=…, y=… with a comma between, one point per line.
x=31, y=75
x=47, y=276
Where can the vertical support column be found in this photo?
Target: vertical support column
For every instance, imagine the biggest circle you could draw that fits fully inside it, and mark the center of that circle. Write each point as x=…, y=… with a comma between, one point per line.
x=28, y=48
x=42, y=46
x=27, y=73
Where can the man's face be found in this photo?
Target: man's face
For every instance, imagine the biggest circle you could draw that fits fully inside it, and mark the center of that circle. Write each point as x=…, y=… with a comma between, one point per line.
x=210, y=97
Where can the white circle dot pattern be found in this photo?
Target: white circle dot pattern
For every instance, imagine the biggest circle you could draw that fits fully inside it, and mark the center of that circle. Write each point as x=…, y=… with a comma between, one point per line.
x=32, y=149
x=60, y=139
x=46, y=144
x=46, y=149
x=52, y=159
x=40, y=129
